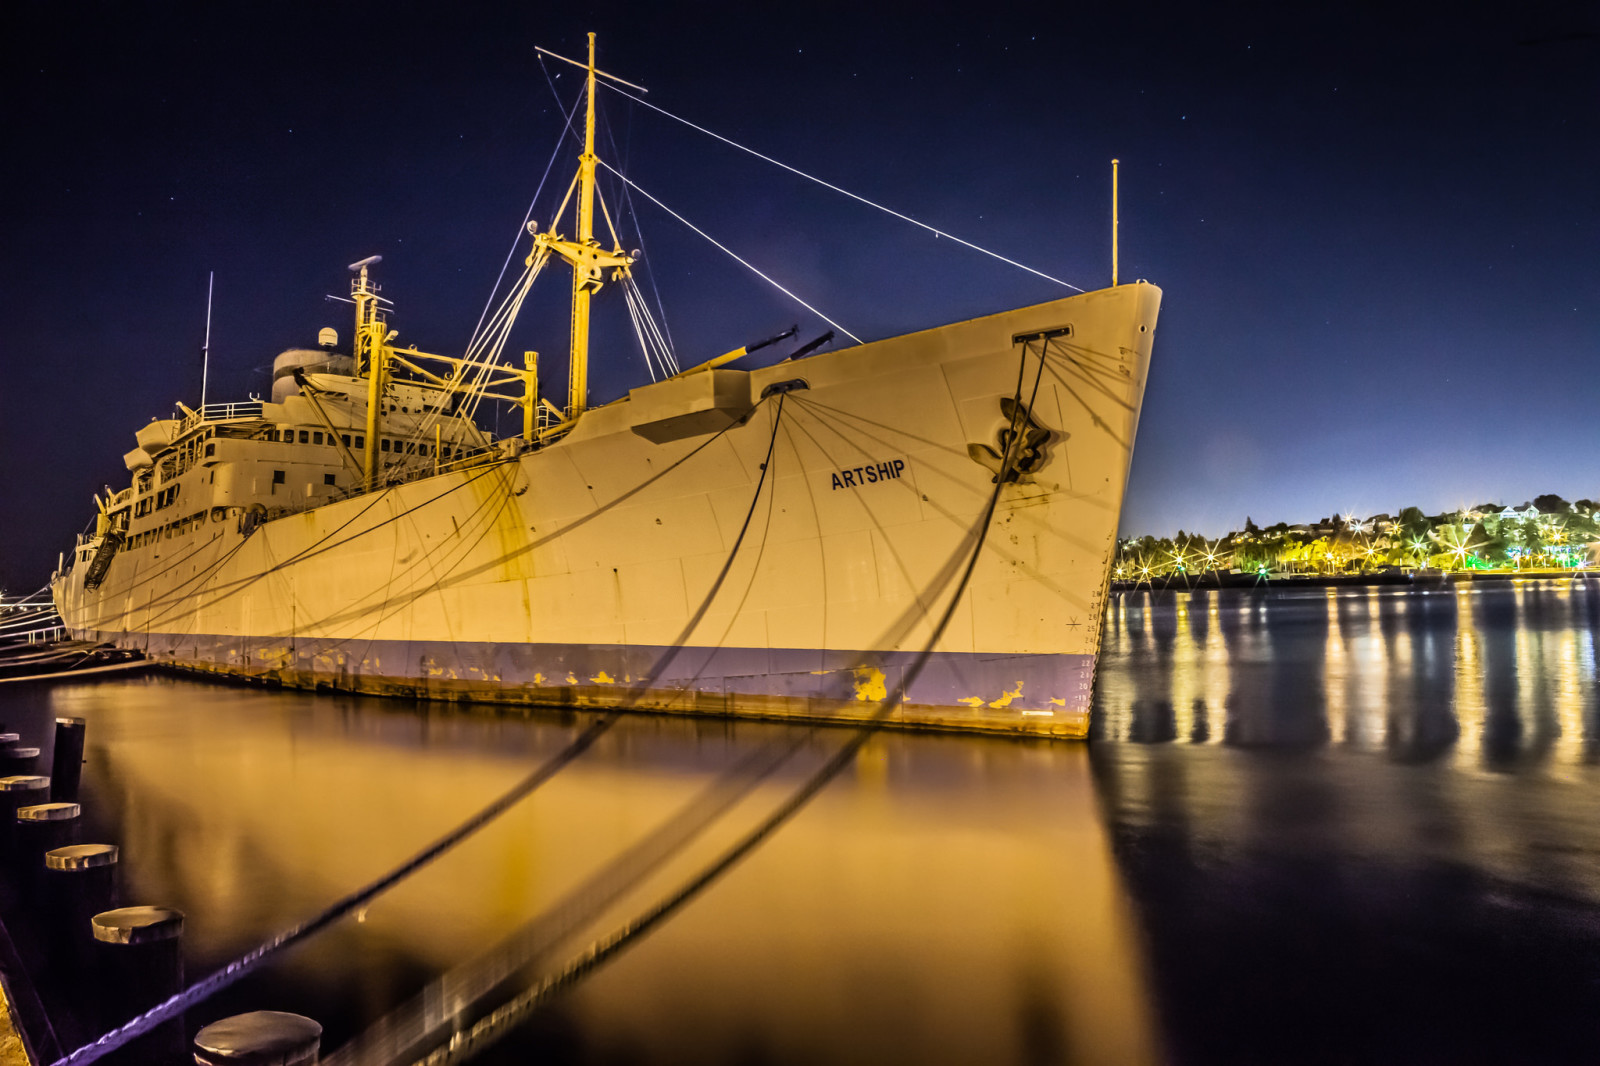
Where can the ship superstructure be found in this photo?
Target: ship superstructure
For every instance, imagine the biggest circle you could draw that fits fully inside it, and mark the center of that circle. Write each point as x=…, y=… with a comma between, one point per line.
x=768, y=542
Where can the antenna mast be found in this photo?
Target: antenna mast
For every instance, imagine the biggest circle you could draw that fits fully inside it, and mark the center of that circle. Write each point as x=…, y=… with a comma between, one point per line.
x=1114, y=223
x=205, y=349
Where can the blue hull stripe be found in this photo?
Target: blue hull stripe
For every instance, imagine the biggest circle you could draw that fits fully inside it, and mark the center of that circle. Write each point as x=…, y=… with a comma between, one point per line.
x=1043, y=694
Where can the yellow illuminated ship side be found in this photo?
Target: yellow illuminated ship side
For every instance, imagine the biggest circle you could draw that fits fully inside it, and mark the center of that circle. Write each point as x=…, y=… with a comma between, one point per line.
x=774, y=542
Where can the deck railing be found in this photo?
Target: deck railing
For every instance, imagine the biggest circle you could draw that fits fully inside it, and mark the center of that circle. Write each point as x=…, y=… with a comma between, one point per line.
x=220, y=412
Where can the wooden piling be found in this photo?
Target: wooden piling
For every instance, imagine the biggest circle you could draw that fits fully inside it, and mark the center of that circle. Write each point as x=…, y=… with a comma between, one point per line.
x=260, y=1038
x=42, y=828
x=80, y=881
x=66, y=762
x=17, y=790
x=17, y=760
x=139, y=959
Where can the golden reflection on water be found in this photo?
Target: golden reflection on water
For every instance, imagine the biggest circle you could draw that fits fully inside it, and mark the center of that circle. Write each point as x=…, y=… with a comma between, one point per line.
x=948, y=900
x=1469, y=695
x=1493, y=675
x=1185, y=675
x=1396, y=855
x=1365, y=724
x=1336, y=672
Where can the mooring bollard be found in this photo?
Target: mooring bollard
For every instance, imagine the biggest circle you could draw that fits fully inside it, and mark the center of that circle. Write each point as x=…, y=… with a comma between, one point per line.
x=140, y=963
x=80, y=881
x=260, y=1038
x=16, y=760
x=17, y=790
x=42, y=828
x=66, y=761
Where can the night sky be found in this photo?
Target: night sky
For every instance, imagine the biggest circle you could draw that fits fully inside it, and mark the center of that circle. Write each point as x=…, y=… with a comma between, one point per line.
x=1378, y=234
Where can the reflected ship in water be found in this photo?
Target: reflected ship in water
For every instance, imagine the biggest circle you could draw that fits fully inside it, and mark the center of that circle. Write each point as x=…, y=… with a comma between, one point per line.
x=1351, y=825
x=946, y=901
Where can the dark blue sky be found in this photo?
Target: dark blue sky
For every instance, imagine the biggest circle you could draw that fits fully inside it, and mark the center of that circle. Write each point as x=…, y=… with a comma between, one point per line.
x=1379, y=235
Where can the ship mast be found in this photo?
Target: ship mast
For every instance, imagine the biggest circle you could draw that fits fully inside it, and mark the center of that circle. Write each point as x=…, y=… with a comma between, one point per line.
x=371, y=334
x=578, y=375
x=584, y=253
x=588, y=260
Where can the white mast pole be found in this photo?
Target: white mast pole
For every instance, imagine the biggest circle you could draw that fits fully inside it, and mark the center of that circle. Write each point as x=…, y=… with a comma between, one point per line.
x=1114, y=223
x=205, y=350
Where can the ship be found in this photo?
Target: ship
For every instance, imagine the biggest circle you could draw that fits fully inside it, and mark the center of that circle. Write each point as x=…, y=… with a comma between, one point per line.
x=926, y=521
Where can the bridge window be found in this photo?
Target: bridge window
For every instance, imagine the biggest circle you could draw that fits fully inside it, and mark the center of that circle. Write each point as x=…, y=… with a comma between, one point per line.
x=277, y=477
x=305, y=437
x=316, y=438
x=327, y=479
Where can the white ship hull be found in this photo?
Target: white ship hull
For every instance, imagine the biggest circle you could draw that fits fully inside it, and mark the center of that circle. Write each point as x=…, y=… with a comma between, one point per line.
x=600, y=570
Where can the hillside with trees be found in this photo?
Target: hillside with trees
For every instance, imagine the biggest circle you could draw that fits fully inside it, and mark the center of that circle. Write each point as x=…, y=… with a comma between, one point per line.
x=1545, y=533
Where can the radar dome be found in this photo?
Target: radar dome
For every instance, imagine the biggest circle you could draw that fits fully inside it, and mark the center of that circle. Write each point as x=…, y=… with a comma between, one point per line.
x=329, y=337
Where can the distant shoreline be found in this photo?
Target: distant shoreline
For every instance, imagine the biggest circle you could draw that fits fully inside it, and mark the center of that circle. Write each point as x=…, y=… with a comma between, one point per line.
x=1430, y=578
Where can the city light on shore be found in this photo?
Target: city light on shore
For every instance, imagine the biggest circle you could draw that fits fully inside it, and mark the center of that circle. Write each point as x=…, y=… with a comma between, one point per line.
x=1548, y=533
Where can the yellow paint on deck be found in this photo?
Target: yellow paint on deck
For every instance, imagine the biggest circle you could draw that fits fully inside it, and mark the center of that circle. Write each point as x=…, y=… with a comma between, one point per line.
x=869, y=684
x=603, y=678
x=572, y=678
x=971, y=701
x=1057, y=703
x=1005, y=700
x=12, y=1050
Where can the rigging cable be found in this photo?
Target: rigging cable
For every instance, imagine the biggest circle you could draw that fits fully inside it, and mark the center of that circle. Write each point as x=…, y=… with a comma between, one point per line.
x=663, y=332
x=844, y=192
x=316, y=547
x=729, y=251
x=625, y=204
x=523, y=229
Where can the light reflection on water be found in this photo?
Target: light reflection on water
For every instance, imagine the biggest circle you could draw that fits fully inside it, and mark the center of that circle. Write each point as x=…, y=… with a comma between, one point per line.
x=1497, y=676
x=947, y=900
x=1360, y=824
x=1313, y=825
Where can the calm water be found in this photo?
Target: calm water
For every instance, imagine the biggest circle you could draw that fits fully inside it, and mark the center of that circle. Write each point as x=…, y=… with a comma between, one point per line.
x=1361, y=825
x=1352, y=826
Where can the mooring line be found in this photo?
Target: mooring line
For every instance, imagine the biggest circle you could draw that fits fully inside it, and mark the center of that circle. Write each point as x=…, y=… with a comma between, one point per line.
x=215, y=982
x=498, y=1022
x=208, y=986
x=444, y=999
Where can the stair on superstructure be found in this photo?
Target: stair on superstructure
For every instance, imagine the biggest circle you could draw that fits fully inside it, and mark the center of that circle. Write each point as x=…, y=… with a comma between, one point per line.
x=102, y=560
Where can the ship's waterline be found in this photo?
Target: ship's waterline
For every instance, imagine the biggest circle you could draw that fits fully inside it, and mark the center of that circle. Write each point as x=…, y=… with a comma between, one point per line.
x=696, y=547
x=942, y=690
